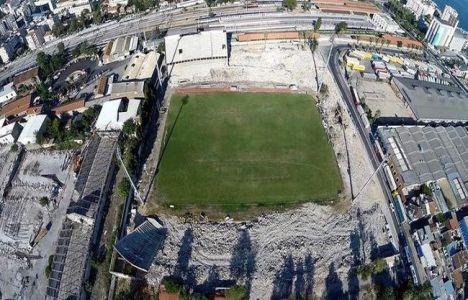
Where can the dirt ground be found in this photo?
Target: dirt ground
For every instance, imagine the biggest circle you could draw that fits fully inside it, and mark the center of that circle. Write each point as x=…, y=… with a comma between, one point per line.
x=380, y=96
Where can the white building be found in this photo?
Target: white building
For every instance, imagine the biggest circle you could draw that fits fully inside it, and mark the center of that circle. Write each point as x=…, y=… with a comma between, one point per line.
x=10, y=133
x=119, y=49
x=7, y=93
x=440, y=33
x=385, y=23
x=51, y=4
x=115, y=3
x=459, y=41
x=8, y=48
x=450, y=15
x=35, y=37
x=114, y=114
x=74, y=7
x=200, y=46
x=421, y=7
x=34, y=126
x=141, y=66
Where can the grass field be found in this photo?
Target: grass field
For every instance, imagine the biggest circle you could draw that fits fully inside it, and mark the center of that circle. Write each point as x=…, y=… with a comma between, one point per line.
x=234, y=150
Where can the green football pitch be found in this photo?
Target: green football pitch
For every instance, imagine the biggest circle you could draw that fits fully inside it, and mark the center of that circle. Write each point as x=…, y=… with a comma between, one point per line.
x=235, y=150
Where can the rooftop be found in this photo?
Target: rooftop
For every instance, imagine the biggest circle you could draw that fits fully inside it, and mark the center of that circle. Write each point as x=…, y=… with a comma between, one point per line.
x=26, y=76
x=202, y=45
x=69, y=106
x=114, y=114
x=141, y=246
x=128, y=89
x=423, y=154
x=33, y=125
x=17, y=106
x=434, y=102
x=141, y=66
x=6, y=89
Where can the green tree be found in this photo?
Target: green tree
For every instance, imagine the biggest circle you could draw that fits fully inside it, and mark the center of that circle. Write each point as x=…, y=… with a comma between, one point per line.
x=385, y=292
x=341, y=27
x=97, y=16
x=161, y=47
x=318, y=24
x=324, y=89
x=399, y=44
x=237, y=292
x=44, y=201
x=129, y=127
x=290, y=4
x=123, y=188
x=313, y=45
x=306, y=5
x=48, y=268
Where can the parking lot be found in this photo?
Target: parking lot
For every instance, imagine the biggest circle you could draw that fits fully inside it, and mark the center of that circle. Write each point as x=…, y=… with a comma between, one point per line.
x=380, y=96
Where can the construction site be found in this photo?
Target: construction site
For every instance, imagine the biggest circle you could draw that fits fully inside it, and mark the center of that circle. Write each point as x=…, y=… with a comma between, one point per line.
x=50, y=217
x=34, y=194
x=308, y=250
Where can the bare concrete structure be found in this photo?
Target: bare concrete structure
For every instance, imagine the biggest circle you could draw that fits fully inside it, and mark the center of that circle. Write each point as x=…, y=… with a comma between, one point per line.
x=70, y=268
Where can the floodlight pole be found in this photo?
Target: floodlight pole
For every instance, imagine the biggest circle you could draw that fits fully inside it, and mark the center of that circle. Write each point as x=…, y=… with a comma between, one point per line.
x=119, y=157
x=332, y=38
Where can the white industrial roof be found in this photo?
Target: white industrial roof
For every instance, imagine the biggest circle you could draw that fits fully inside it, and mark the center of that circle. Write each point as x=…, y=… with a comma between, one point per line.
x=6, y=90
x=123, y=45
x=7, y=129
x=111, y=119
x=428, y=256
x=203, y=45
x=34, y=124
x=141, y=66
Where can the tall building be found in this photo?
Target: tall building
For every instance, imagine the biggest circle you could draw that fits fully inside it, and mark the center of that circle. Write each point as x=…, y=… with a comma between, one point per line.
x=440, y=33
x=459, y=41
x=8, y=48
x=421, y=7
x=450, y=15
x=35, y=37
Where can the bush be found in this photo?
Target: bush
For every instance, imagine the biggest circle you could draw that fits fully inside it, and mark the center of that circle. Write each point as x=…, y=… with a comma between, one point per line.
x=14, y=148
x=172, y=286
x=341, y=27
x=237, y=292
x=123, y=188
x=324, y=89
x=375, y=267
x=290, y=4
x=48, y=269
x=44, y=201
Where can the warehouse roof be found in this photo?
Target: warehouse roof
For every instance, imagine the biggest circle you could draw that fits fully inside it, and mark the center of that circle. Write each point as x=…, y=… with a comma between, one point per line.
x=141, y=246
x=124, y=45
x=141, y=66
x=433, y=101
x=424, y=154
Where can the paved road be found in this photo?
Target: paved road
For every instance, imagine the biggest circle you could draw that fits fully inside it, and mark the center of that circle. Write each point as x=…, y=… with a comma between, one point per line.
x=396, y=230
